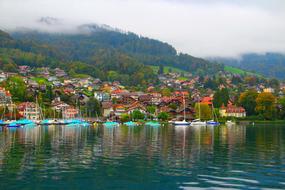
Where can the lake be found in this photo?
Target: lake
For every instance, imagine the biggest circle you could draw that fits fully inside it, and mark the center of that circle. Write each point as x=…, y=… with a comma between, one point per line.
x=55, y=157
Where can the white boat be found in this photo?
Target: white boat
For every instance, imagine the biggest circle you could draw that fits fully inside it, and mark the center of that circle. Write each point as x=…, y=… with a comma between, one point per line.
x=198, y=122
x=181, y=123
x=230, y=123
x=184, y=122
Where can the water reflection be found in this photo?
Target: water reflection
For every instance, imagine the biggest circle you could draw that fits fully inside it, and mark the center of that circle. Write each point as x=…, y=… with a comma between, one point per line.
x=143, y=157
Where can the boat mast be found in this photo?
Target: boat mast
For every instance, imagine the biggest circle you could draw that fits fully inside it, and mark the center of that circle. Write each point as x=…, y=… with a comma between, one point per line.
x=184, y=113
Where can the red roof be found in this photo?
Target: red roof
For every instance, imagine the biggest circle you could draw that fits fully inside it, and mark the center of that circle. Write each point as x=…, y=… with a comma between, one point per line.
x=207, y=100
x=234, y=109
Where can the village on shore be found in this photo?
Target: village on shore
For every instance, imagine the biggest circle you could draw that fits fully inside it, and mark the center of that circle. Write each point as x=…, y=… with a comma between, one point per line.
x=41, y=93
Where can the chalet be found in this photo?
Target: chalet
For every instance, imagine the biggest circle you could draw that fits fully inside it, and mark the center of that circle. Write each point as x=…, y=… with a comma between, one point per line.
x=70, y=113
x=52, y=78
x=30, y=110
x=232, y=111
x=136, y=106
x=207, y=100
x=145, y=99
x=59, y=106
x=44, y=71
x=181, y=93
x=5, y=97
x=102, y=96
x=126, y=99
x=24, y=69
x=119, y=109
x=269, y=90
x=60, y=73
x=107, y=108
x=3, y=76
x=156, y=98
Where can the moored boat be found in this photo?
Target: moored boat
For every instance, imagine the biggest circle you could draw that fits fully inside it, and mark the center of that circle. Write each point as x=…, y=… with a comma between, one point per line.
x=230, y=123
x=152, y=124
x=212, y=123
x=111, y=124
x=130, y=124
x=198, y=122
x=181, y=123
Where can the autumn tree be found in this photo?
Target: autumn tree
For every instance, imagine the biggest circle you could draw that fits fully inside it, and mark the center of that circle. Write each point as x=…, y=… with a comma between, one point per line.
x=248, y=101
x=265, y=105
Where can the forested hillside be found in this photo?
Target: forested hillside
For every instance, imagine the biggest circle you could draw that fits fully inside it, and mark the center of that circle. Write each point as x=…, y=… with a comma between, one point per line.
x=98, y=52
x=269, y=64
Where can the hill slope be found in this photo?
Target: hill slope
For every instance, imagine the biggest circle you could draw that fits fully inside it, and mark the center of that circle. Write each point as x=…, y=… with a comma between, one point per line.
x=269, y=64
x=99, y=52
x=94, y=41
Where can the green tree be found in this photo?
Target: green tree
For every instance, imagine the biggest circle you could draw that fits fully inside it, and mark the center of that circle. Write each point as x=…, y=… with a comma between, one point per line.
x=248, y=101
x=125, y=117
x=221, y=97
x=136, y=115
x=163, y=116
x=17, y=88
x=93, y=107
x=281, y=103
x=151, y=109
x=203, y=111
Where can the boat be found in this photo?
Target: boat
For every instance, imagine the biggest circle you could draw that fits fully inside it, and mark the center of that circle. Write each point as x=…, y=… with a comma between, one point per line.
x=198, y=122
x=212, y=123
x=130, y=124
x=14, y=125
x=181, y=123
x=111, y=124
x=184, y=122
x=230, y=123
x=152, y=124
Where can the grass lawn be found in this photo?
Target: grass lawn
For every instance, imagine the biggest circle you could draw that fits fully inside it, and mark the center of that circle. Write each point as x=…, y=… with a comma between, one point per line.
x=235, y=70
x=41, y=80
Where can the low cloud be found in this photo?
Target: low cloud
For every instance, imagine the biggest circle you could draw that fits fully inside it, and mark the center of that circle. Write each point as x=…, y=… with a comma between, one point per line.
x=200, y=28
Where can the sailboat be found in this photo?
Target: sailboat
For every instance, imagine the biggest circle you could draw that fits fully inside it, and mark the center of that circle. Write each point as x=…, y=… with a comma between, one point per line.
x=213, y=122
x=184, y=122
x=198, y=122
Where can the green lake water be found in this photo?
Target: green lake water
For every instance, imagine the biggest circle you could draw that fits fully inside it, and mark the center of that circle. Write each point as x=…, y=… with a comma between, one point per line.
x=54, y=157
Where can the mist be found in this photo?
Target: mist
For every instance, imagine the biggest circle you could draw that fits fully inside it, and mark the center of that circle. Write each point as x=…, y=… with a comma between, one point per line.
x=200, y=28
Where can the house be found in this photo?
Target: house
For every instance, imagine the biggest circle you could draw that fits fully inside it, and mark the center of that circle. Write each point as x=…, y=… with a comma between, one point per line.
x=5, y=97
x=232, y=111
x=30, y=110
x=207, y=100
x=126, y=99
x=102, y=96
x=59, y=72
x=107, y=108
x=135, y=106
x=269, y=90
x=3, y=76
x=70, y=113
x=59, y=105
x=44, y=71
x=145, y=98
x=24, y=69
x=119, y=109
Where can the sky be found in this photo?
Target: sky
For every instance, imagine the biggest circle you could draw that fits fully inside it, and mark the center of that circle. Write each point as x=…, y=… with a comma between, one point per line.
x=203, y=28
